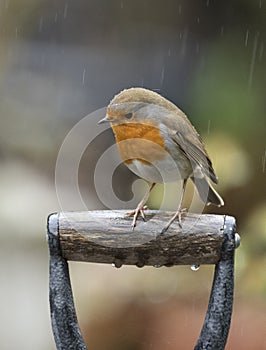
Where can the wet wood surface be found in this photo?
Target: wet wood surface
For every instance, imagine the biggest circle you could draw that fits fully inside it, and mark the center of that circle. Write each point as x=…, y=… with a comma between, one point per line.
x=107, y=237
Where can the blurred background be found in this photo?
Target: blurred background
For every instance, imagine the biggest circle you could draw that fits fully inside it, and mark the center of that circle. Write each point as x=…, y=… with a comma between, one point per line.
x=61, y=60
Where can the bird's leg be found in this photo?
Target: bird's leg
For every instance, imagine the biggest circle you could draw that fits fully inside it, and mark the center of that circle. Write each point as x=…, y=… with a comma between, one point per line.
x=141, y=207
x=179, y=211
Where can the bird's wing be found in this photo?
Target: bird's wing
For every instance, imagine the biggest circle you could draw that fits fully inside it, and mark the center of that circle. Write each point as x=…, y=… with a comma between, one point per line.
x=189, y=141
x=192, y=146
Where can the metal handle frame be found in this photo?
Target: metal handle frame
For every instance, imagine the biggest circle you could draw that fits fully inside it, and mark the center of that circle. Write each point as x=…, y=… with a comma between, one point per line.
x=216, y=326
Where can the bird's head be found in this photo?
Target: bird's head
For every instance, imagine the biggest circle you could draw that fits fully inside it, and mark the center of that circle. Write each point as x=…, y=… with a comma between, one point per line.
x=136, y=105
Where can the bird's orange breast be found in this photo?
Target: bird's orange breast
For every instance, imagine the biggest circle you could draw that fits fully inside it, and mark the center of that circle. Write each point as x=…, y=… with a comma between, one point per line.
x=142, y=142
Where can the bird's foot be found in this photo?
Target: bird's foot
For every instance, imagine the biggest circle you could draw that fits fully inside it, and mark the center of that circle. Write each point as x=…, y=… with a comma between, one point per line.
x=135, y=213
x=178, y=215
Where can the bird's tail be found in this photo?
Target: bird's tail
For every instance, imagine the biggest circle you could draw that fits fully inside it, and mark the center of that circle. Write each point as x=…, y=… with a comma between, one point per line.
x=206, y=192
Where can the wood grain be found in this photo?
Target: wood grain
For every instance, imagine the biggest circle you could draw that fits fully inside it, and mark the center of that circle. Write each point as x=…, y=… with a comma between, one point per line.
x=107, y=237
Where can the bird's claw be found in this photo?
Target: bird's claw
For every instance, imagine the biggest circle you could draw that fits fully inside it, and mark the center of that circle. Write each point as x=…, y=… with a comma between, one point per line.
x=135, y=213
x=177, y=215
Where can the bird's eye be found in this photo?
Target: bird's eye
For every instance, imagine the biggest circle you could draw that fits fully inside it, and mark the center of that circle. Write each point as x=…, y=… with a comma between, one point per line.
x=128, y=115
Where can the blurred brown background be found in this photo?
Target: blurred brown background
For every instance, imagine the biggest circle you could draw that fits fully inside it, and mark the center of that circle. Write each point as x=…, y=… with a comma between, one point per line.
x=61, y=60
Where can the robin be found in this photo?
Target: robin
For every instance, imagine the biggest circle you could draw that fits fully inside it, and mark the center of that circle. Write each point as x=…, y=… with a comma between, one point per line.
x=158, y=143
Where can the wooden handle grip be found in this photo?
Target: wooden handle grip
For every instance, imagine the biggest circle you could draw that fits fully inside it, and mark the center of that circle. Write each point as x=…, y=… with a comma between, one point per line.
x=107, y=237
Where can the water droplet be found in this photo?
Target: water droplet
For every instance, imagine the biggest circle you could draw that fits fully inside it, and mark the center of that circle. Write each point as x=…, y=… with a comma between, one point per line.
x=237, y=240
x=162, y=76
x=140, y=264
x=40, y=24
x=195, y=267
x=197, y=48
x=117, y=263
x=209, y=127
x=83, y=76
x=170, y=264
x=261, y=51
x=264, y=161
x=246, y=37
x=253, y=58
x=184, y=43
x=65, y=10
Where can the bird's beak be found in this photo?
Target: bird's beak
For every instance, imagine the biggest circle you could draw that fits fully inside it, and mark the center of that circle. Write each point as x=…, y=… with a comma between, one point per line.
x=106, y=119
